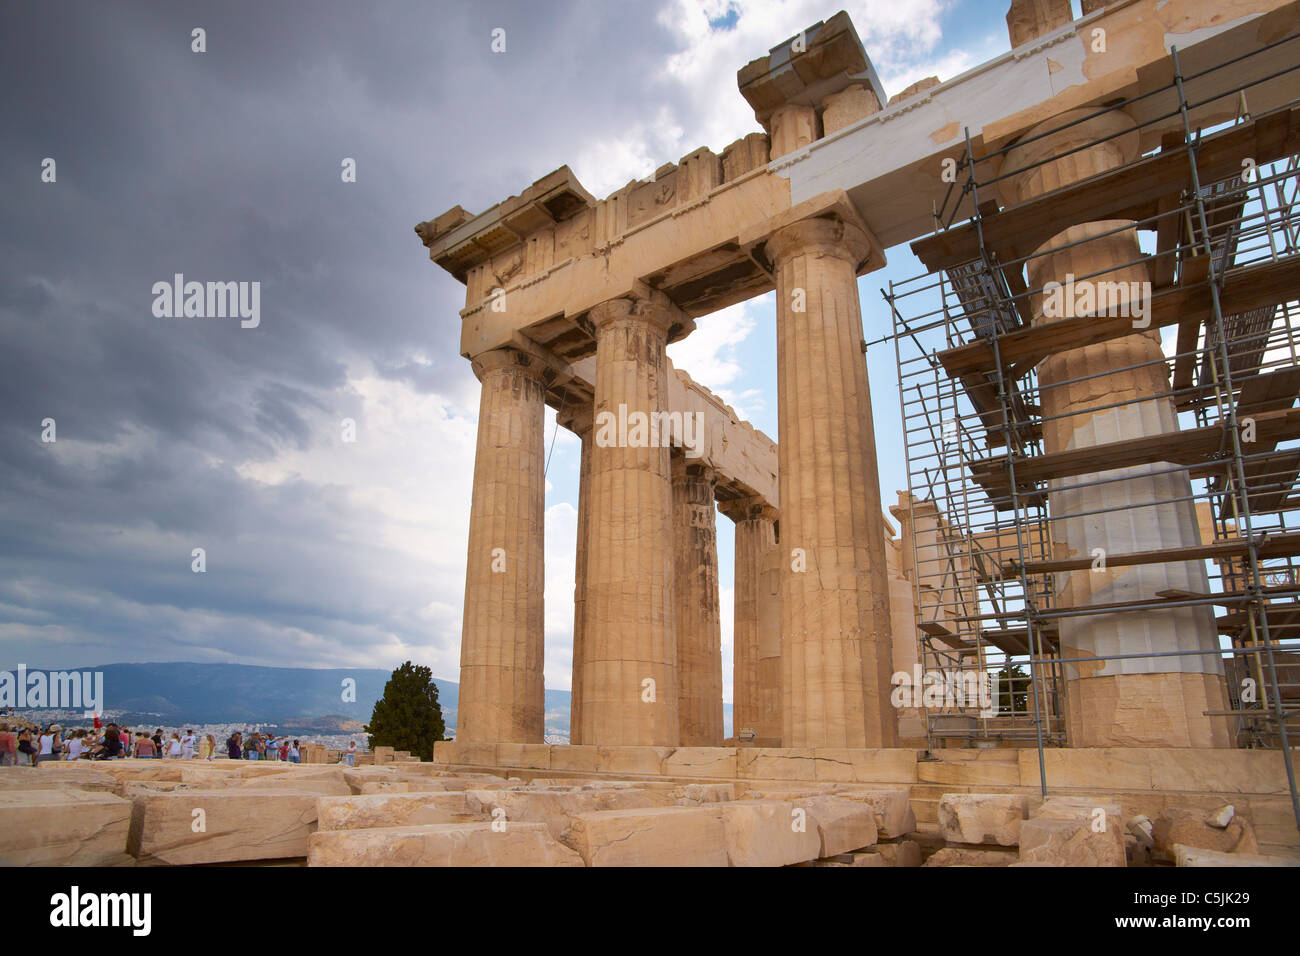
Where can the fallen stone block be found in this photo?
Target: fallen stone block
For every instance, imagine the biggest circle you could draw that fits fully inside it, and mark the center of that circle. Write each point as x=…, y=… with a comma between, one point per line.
x=373, y=811
x=462, y=844
x=1142, y=830
x=130, y=769
x=767, y=833
x=211, y=779
x=14, y=784
x=421, y=769
x=662, y=836
x=1086, y=811
x=264, y=768
x=234, y=824
x=130, y=789
x=697, y=794
x=557, y=809
x=983, y=818
x=972, y=856
x=853, y=859
x=900, y=852
x=866, y=858
x=1063, y=841
x=46, y=778
x=1191, y=828
x=1221, y=817
x=892, y=807
x=842, y=825
x=1196, y=856
x=63, y=827
x=377, y=779
x=325, y=784
x=402, y=786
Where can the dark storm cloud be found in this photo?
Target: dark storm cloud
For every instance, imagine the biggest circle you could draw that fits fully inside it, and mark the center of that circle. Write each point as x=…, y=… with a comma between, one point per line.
x=225, y=166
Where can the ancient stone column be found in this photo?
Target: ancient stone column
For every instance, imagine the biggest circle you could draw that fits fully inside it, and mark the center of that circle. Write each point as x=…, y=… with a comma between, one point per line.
x=699, y=625
x=836, y=629
x=755, y=536
x=1134, y=702
x=579, y=421
x=630, y=637
x=502, y=641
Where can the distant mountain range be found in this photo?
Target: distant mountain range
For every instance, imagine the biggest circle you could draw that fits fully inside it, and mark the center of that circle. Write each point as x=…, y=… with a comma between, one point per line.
x=290, y=697
x=241, y=693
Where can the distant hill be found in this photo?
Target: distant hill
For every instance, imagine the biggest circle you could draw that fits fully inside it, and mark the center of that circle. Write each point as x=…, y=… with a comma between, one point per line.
x=241, y=693
x=301, y=698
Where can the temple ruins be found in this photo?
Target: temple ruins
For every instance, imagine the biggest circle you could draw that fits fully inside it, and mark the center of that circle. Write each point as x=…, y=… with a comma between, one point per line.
x=1089, y=528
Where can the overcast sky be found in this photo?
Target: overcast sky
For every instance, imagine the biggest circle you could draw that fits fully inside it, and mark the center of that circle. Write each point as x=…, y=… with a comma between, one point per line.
x=175, y=434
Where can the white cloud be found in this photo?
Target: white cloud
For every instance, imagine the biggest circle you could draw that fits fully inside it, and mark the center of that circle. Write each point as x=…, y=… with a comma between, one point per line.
x=699, y=101
x=708, y=353
x=561, y=542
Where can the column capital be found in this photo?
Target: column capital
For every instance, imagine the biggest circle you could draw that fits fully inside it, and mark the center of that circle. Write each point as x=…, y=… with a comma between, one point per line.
x=748, y=508
x=683, y=467
x=507, y=358
x=824, y=237
x=653, y=308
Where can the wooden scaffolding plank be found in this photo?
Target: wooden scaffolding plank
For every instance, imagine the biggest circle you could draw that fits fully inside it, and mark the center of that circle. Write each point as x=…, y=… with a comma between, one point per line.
x=1272, y=546
x=1015, y=640
x=1195, y=271
x=1193, y=446
x=1269, y=391
x=1244, y=289
x=1283, y=622
x=1223, y=598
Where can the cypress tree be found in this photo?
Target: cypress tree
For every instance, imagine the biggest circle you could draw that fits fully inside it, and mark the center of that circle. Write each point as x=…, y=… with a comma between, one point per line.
x=408, y=715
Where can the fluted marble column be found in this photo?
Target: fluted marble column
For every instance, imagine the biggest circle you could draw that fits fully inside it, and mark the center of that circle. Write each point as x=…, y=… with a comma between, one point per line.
x=579, y=421
x=502, y=640
x=630, y=637
x=836, y=629
x=699, y=626
x=1135, y=701
x=755, y=536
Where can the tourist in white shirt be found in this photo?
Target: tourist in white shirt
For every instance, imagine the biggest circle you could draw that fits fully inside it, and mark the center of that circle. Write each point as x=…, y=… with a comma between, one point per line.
x=187, y=745
x=75, y=747
x=50, y=745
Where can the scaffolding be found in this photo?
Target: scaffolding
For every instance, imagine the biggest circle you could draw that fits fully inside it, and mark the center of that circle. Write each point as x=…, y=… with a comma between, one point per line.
x=993, y=472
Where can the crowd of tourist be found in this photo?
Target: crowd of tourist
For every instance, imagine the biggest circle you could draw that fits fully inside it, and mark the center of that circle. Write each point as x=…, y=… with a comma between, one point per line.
x=24, y=745
x=262, y=747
